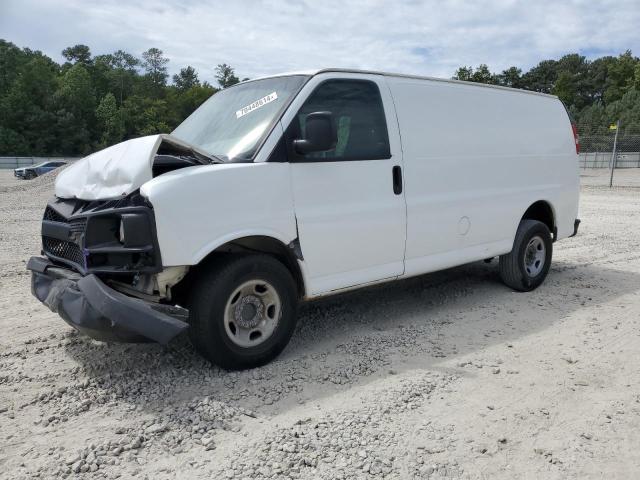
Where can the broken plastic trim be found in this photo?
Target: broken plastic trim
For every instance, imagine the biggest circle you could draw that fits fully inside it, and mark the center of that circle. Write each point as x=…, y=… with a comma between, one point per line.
x=100, y=312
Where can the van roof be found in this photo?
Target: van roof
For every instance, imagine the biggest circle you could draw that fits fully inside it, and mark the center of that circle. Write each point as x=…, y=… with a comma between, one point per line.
x=404, y=75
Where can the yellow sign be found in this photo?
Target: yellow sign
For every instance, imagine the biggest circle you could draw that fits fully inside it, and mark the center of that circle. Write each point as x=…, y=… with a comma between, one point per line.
x=613, y=127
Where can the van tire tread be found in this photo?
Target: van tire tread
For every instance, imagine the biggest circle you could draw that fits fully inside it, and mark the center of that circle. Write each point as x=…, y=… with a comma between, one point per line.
x=209, y=297
x=511, y=267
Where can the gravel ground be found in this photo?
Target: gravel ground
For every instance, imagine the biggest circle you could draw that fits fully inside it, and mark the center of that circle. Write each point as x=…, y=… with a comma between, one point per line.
x=450, y=375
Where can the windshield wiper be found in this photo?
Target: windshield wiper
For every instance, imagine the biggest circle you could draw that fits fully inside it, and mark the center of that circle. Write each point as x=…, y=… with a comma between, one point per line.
x=208, y=157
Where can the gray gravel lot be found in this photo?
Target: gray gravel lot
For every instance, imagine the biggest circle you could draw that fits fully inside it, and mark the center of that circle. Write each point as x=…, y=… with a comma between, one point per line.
x=449, y=375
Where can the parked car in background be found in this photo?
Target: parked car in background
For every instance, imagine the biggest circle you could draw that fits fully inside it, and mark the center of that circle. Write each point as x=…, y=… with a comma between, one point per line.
x=34, y=171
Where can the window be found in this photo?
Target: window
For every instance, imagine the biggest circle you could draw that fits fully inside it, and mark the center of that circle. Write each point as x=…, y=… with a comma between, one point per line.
x=358, y=117
x=233, y=123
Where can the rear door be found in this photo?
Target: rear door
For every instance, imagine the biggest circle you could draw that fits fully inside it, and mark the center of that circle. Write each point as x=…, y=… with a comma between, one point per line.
x=349, y=202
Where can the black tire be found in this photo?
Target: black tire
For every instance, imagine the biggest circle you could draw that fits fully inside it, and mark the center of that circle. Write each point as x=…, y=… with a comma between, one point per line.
x=29, y=174
x=208, y=303
x=514, y=271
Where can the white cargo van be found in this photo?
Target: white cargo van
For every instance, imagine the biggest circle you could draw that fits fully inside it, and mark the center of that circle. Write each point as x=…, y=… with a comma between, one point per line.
x=296, y=186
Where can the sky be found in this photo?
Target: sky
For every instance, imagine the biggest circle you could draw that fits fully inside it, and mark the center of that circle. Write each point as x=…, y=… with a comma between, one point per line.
x=259, y=38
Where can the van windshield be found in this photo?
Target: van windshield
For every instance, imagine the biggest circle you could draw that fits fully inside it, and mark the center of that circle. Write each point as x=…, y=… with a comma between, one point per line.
x=232, y=123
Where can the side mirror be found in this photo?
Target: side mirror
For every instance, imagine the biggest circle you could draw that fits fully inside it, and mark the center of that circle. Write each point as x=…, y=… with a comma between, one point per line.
x=319, y=134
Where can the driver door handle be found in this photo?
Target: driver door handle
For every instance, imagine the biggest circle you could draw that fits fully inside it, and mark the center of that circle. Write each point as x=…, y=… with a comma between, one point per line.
x=397, y=179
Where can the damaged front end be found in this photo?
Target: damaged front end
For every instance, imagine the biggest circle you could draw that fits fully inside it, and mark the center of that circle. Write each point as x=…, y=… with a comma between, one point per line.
x=117, y=171
x=100, y=312
x=102, y=271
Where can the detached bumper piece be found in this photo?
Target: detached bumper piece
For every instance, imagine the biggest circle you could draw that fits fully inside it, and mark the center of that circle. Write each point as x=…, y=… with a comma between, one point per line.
x=100, y=312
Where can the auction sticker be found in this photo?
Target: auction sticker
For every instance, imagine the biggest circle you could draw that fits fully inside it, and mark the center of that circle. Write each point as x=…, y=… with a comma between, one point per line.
x=257, y=104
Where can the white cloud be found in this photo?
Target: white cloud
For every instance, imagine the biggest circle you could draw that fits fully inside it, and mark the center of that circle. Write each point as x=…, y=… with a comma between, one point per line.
x=268, y=36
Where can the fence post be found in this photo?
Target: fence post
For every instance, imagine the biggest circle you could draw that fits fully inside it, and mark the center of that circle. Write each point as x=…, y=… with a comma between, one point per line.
x=613, y=154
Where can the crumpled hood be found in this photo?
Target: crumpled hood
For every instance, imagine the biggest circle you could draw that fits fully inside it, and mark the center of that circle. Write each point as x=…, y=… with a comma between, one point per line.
x=115, y=171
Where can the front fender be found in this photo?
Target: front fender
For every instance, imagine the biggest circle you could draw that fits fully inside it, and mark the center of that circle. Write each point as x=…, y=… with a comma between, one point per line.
x=197, y=209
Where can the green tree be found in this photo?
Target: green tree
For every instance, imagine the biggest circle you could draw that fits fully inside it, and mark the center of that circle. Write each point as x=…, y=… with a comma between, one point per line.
x=75, y=100
x=77, y=54
x=109, y=121
x=478, y=75
x=27, y=116
x=464, y=74
x=226, y=75
x=155, y=64
x=565, y=88
x=621, y=76
x=511, y=77
x=121, y=68
x=181, y=103
x=11, y=59
x=483, y=75
x=542, y=77
x=186, y=79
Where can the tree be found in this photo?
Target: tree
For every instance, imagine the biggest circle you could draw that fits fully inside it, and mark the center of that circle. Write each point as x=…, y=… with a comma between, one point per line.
x=75, y=101
x=463, y=73
x=620, y=76
x=598, y=74
x=121, y=71
x=11, y=59
x=511, y=77
x=565, y=88
x=479, y=75
x=77, y=54
x=155, y=65
x=483, y=75
x=180, y=103
x=27, y=117
x=109, y=121
x=186, y=79
x=88, y=102
x=542, y=77
x=226, y=75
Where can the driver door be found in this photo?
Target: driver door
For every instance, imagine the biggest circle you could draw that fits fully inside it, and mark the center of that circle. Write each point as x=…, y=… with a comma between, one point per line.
x=349, y=201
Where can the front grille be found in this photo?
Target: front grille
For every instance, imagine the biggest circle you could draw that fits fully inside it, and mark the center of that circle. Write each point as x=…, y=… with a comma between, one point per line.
x=65, y=250
x=62, y=249
x=51, y=215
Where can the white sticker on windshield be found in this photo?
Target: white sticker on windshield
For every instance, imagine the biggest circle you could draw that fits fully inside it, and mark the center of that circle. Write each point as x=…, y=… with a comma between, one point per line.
x=257, y=104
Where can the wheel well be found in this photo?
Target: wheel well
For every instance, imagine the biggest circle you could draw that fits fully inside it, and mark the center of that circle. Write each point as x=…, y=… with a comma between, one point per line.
x=542, y=212
x=253, y=244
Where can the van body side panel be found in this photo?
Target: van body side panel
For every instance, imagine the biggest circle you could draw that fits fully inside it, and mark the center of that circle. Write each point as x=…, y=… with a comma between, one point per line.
x=475, y=160
x=197, y=209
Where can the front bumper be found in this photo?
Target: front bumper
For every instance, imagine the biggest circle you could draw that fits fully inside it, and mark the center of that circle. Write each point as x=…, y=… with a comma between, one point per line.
x=19, y=173
x=100, y=312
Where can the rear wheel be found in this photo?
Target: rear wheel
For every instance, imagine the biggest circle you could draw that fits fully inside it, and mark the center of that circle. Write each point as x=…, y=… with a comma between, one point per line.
x=527, y=265
x=243, y=311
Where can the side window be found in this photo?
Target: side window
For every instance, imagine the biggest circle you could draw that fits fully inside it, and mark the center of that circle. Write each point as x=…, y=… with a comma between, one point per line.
x=358, y=117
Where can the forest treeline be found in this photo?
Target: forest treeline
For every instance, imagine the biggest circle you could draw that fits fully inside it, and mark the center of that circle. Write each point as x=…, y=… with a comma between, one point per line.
x=90, y=102
x=596, y=92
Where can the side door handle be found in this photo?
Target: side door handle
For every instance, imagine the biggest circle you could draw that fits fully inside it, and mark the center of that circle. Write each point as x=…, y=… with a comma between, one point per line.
x=397, y=179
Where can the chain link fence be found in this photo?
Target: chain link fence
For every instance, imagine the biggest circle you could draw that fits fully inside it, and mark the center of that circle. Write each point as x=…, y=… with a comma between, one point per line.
x=610, y=158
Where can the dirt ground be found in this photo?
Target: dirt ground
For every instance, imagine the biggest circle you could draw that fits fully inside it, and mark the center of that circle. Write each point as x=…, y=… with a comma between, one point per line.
x=449, y=375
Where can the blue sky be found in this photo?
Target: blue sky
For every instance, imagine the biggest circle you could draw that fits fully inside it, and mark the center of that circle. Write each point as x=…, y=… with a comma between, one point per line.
x=270, y=36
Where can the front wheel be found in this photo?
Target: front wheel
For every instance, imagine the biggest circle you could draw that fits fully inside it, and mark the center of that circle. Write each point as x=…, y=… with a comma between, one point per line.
x=527, y=265
x=243, y=312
